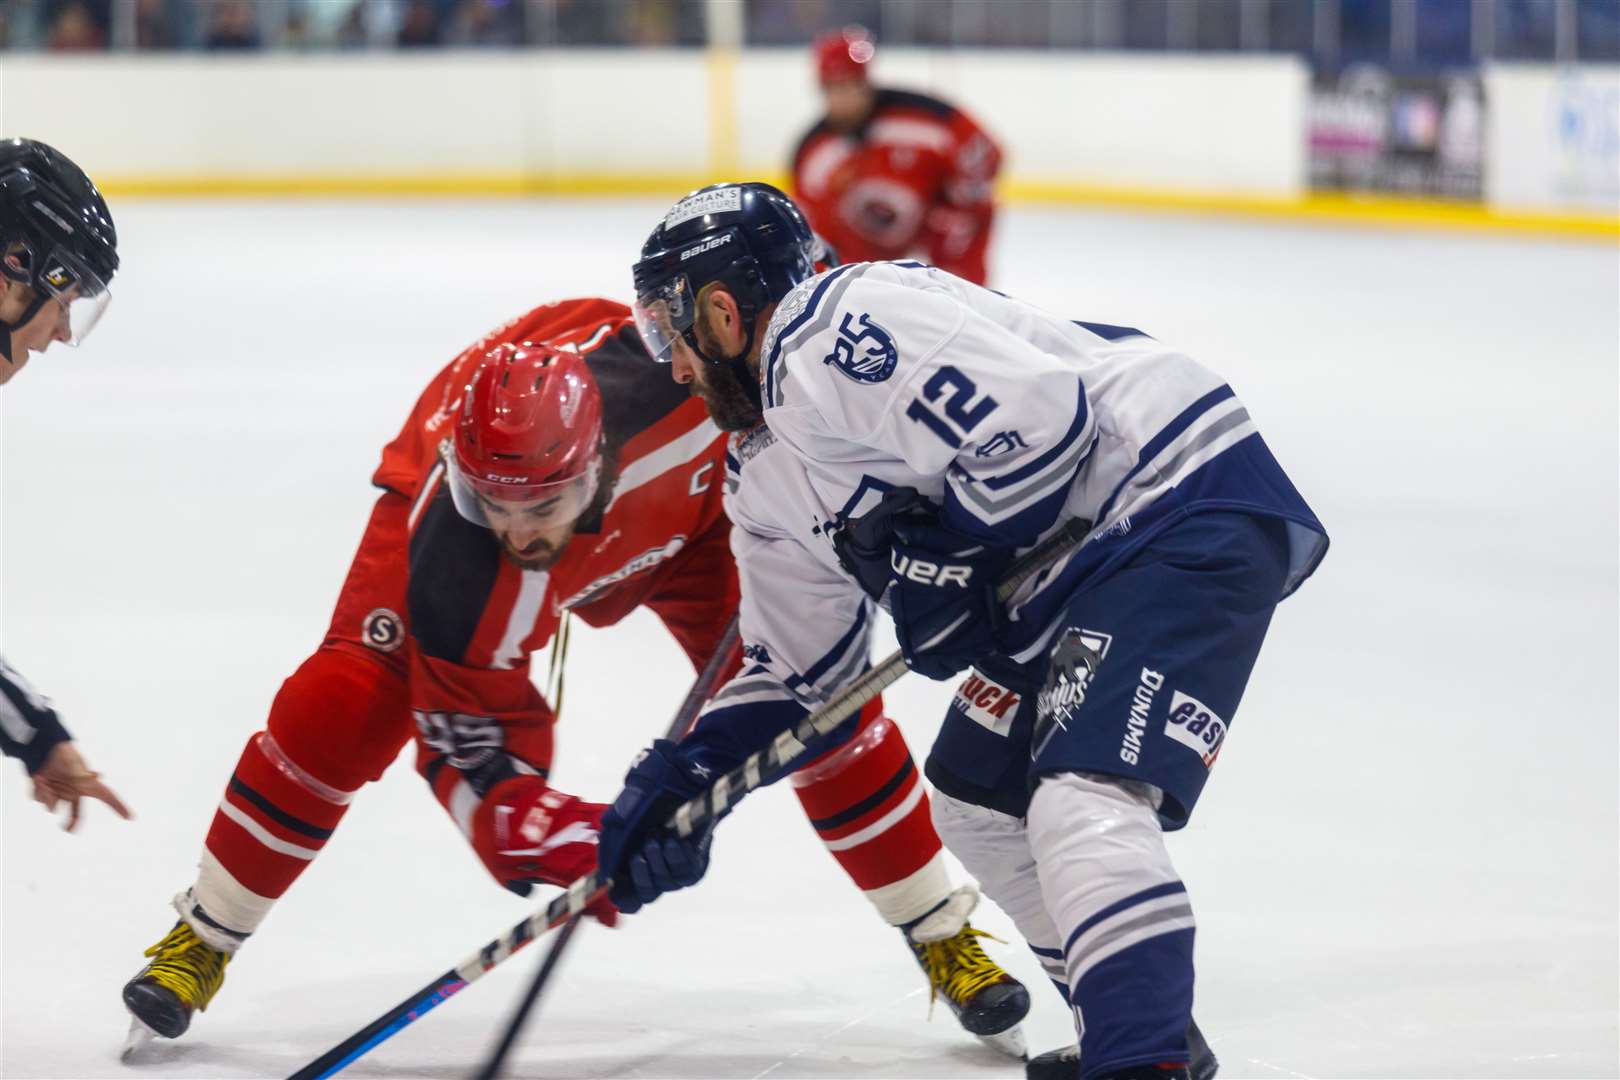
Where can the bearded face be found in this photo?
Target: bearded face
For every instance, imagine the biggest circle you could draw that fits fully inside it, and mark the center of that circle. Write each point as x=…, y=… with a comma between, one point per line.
x=731, y=405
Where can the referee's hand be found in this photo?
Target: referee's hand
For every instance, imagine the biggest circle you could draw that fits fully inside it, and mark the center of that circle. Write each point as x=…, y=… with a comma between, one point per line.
x=65, y=778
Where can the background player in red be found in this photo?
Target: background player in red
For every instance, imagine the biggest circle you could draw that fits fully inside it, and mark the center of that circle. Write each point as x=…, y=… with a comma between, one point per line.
x=890, y=174
x=530, y=481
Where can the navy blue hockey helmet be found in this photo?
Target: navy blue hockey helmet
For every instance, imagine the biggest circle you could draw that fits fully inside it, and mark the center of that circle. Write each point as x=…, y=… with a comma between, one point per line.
x=750, y=238
x=56, y=236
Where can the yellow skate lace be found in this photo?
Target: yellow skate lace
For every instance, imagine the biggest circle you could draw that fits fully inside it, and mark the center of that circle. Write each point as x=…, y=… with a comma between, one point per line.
x=958, y=967
x=184, y=963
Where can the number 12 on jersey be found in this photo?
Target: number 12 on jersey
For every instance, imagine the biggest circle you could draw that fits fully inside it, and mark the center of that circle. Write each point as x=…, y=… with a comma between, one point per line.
x=958, y=398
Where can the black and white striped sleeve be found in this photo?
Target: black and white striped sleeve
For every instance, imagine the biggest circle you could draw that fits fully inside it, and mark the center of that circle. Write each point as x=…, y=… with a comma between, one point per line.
x=29, y=726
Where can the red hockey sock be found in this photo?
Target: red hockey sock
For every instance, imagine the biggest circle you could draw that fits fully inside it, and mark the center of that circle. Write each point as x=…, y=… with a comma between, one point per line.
x=337, y=722
x=868, y=804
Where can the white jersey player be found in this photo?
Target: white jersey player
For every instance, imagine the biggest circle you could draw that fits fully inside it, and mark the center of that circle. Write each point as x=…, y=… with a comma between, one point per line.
x=918, y=431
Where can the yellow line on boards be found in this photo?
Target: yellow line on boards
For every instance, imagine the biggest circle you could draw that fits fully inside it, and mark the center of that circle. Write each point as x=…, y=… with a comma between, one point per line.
x=1326, y=207
x=1322, y=207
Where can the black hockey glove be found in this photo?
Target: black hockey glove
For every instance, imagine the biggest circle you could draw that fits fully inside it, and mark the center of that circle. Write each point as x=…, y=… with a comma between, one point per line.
x=634, y=849
x=939, y=585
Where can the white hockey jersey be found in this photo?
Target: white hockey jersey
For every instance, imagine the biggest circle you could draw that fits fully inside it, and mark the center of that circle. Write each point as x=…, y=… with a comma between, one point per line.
x=884, y=375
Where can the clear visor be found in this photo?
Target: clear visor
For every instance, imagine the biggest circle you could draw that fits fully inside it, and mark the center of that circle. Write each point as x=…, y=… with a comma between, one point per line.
x=79, y=290
x=663, y=315
x=490, y=500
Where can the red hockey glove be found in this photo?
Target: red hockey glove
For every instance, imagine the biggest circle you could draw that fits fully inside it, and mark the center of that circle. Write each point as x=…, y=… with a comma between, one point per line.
x=527, y=832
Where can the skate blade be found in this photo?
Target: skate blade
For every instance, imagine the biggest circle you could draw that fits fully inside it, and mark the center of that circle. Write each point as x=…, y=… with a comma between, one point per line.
x=135, y=1043
x=1010, y=1042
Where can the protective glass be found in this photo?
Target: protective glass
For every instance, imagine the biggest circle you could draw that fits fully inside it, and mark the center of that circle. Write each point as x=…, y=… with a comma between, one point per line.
x=482, y=500
x=663, y=314
x=78, y=289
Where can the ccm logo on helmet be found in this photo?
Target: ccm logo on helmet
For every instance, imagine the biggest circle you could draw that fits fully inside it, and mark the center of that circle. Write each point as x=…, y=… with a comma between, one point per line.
x=499, y=479
x=707, y=245
x=924, y=572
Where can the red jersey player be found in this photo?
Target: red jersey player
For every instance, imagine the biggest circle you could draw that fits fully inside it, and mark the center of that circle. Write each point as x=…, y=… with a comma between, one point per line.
x=889, y=174
x=542, y=472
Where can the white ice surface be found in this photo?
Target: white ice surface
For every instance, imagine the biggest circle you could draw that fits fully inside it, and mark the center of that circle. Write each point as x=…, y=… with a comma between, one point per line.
x=1404, y=866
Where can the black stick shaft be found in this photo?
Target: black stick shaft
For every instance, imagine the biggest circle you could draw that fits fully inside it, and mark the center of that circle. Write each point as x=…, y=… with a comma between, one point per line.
x=497, y=1060
x=702, y=689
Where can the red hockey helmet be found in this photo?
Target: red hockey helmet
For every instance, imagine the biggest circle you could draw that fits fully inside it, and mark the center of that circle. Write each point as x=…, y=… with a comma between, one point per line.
x=844, y=54
x=529, y=431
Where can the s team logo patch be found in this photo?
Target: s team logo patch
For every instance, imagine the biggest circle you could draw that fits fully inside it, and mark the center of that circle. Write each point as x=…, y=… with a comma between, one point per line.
x=1195, y=726
x=865, y=354
x=383, y=630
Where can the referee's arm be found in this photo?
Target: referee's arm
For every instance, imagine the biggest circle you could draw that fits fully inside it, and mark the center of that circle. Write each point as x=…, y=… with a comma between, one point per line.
x=29, y=727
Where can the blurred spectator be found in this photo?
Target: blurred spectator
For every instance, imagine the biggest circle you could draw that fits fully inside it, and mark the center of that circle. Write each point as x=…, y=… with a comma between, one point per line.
x=232, y=24
x=420, y=27
x=154, y=25
x=581, y=22
x=351, y=32
x=650, y=23
x=75, y=28
x=485, y=22
x=795, y=22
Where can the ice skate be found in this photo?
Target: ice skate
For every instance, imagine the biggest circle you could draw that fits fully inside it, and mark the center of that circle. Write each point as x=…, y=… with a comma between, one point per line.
x=1064, y=1063
x=987, y=1002
x=184, y=975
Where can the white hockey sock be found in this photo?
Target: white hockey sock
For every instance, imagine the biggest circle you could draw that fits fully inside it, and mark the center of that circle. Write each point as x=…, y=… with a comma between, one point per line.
x=1123, y=914
x=993, y=847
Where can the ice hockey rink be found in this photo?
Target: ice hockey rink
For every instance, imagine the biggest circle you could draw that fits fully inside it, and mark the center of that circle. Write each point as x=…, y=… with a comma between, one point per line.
x=1406, y=863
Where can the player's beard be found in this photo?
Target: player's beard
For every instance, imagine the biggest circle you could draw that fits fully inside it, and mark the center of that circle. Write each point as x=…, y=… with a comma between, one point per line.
x=730, y=405
x=544, y=554
x=538, y=556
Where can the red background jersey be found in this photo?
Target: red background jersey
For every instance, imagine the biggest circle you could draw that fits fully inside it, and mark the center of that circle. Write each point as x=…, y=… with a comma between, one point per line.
x=915, y=178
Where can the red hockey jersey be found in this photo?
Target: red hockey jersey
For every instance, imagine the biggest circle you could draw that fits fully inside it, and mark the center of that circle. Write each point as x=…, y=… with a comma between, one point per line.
x=662, y=541
x=915, y=179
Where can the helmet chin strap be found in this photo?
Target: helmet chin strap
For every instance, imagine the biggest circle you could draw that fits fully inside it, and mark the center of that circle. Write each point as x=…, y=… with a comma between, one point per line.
x=9, y=329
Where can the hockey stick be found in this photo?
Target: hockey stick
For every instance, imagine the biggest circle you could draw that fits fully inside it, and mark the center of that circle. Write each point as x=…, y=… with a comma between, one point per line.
x=787, y=747
x=702, y=689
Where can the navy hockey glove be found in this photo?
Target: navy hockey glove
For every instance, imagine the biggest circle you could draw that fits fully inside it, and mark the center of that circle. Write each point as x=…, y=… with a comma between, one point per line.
x=939, y=585
x=642, y=857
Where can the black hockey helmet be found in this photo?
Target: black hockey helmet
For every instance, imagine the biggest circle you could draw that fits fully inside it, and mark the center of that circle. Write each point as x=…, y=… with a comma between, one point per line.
x=56, y=236
x=750, y=238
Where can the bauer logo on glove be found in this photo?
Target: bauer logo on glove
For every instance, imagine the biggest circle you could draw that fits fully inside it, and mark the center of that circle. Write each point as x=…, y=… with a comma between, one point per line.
x=924, y=572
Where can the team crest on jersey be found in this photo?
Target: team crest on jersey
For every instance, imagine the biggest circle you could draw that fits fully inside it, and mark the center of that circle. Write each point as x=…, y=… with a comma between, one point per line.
x=383, y=630
x=1075, y=659
x=864, y=351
